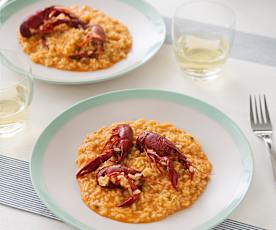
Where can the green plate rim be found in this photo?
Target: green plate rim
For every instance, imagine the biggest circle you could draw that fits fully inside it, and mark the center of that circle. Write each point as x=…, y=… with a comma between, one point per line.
x=12, y=6
x=181, y=99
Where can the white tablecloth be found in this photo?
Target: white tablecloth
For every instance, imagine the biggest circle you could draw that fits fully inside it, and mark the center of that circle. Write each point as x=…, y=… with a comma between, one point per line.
x=229, y=93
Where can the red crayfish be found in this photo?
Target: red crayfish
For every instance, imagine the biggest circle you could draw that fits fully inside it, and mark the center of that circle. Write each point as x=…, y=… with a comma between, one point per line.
x=44, y=21
x=115, y=176
x=95, y=37
x=118, y=145
x=162, y=151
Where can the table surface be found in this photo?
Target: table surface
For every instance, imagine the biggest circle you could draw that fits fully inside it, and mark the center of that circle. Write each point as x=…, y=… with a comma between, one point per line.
x=230, y=94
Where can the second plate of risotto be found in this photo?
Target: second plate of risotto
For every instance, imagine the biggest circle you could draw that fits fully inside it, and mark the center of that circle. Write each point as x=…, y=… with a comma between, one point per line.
x=77, y=42
x=142, y=159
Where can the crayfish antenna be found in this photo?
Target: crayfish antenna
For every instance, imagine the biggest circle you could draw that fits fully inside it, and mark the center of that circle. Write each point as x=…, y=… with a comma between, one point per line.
x=196, y=169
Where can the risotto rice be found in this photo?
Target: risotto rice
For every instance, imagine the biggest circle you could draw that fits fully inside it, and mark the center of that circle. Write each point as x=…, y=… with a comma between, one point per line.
x=54, y=49
x=158, y=198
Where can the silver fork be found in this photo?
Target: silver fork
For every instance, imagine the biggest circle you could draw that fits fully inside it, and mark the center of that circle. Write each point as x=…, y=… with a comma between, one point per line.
x=261, y=125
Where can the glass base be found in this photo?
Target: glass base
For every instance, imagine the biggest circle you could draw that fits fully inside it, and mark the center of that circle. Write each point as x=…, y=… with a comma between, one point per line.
x=11, y=129
x=202, y=75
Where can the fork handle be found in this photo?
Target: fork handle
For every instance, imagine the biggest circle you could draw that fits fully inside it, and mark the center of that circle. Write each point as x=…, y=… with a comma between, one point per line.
x=268, y=142
x=273, y=161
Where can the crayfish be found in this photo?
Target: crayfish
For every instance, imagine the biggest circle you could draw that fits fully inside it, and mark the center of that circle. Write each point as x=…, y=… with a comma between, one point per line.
x=44, y=21
x=161, y=151
x=95, y=38
x=118, y=145
x=115, y=176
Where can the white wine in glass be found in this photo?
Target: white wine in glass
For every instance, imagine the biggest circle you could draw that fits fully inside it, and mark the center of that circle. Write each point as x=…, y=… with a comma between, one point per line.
x=13, y=105
x=201, y=55
x=16, y=90
x=202, y=34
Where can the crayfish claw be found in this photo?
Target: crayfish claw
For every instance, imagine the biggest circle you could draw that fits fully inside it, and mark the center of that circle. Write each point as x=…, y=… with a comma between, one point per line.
x=173, y=176
x=118, y=145
x=129, y=201
x=92, y=165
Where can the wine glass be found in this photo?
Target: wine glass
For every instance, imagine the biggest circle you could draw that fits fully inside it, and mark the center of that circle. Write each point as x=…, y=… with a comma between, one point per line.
x=16, y=90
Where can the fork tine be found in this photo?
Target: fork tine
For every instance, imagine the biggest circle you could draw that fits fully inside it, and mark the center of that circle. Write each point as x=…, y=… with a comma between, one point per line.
x=251, y=110
x=266, y=111
x=261, y=110
x=256, y=110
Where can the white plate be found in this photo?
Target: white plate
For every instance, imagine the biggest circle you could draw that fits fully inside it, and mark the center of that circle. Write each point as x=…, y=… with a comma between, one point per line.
x=53, y=161
x=145, y=25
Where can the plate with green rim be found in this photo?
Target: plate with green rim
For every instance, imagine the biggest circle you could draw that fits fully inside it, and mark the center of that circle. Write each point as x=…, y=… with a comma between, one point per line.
x=145, y=25
x=53, y=159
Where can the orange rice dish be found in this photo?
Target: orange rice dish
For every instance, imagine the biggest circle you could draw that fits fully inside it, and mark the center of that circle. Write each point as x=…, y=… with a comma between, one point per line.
x=77, y=38
x=158, y=196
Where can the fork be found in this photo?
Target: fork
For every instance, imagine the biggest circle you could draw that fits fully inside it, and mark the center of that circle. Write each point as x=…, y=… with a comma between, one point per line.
x=261, y=125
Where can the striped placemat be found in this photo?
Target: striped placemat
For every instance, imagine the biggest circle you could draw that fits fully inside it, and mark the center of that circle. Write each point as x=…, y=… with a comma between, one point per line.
x=16, y=190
